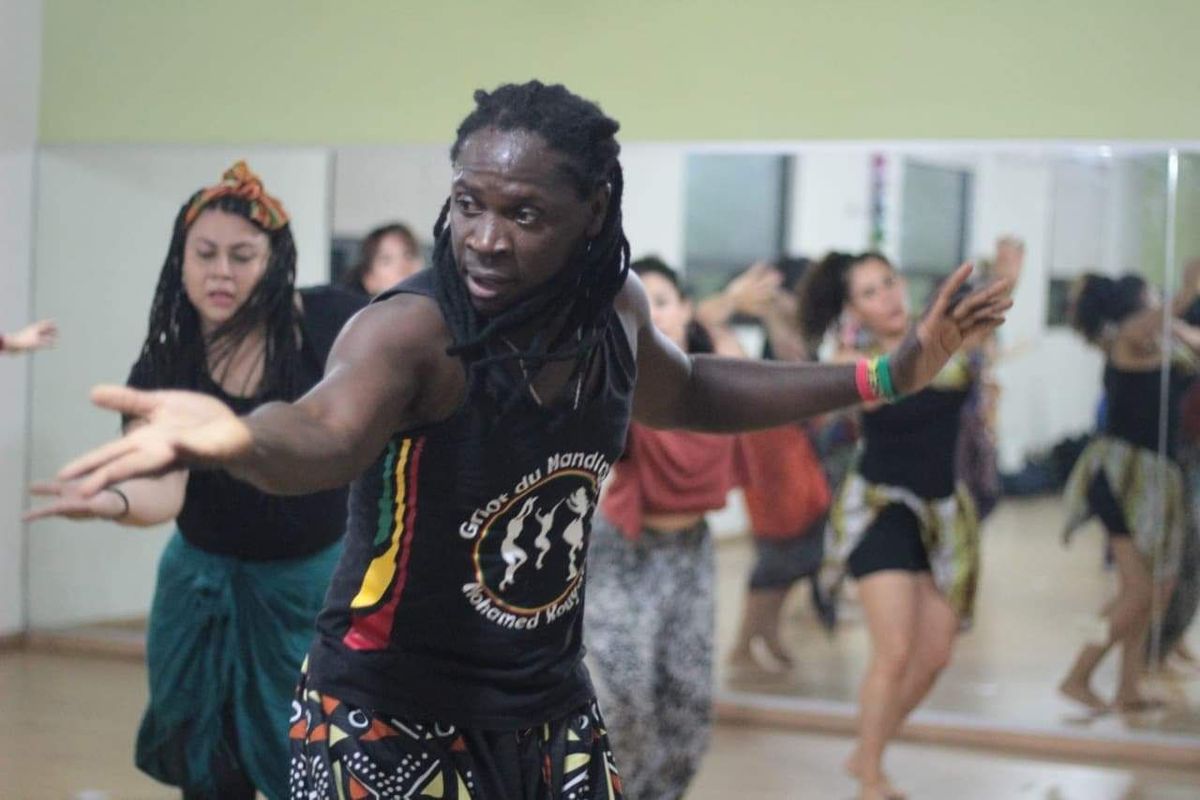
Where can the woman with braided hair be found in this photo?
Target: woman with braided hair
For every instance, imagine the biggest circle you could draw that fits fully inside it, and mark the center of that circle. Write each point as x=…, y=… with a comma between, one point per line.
x=507, y=372
x=241, y=581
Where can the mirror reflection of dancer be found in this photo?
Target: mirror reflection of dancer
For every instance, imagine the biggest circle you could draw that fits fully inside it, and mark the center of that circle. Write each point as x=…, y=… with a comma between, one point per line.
x=1117, y=478
x=240, y=583
x=786, y=490
x=37, y=336
x=901, y=525
x=651, y=578
x=428, y=401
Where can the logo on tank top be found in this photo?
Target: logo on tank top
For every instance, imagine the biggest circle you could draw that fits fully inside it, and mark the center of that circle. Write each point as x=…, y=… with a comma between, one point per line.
x=530, y=543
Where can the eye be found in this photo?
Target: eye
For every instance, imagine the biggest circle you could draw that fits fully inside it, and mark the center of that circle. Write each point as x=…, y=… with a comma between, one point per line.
x=466, y=204
x=527, y=215
x=242, y=258
x=206, y=255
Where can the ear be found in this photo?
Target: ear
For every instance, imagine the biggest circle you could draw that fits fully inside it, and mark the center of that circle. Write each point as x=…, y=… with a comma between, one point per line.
x=598, y=208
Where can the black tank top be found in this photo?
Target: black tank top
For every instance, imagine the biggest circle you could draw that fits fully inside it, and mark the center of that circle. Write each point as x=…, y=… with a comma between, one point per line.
x=459, y=597
x=1133, y=405
x=912, y=443
x=226, y=516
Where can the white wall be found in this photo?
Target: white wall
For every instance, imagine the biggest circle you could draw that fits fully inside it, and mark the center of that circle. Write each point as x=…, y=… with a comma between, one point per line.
x=104, y=218
x=831, y=207
x=375, y=185
x=20, y=63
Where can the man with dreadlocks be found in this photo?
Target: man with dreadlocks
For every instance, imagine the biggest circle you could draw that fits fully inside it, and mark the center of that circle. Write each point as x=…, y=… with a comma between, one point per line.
x=505, y=374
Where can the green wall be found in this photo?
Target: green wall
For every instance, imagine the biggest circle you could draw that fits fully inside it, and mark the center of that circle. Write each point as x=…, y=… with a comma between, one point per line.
x=380, y=71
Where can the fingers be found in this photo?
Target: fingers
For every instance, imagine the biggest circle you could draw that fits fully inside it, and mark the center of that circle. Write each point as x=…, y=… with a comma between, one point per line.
x=992, y=294
x=949, y=288
x=138, y=463
x=127, y=401
x=51, y=510
x=95, y=459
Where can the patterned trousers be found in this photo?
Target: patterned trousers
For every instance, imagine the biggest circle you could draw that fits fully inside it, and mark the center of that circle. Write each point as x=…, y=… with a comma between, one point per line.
x=649, y=633
x=340, y=752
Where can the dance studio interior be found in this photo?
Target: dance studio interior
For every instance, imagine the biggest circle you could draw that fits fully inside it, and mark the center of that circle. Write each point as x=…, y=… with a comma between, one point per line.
x=691, y=460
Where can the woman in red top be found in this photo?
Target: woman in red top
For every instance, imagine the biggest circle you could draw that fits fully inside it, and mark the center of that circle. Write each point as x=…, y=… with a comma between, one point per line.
x=649, y=613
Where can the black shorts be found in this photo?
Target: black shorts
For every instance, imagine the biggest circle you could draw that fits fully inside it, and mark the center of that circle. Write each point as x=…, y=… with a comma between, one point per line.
x=892, y=542
x=1107, y=507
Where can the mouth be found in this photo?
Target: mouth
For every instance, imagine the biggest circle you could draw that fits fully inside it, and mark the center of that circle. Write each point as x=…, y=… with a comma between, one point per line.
x=221, y=299
x=486, y=287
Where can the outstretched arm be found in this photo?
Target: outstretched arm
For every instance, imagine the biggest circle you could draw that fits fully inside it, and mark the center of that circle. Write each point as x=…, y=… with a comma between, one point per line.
x=323, y=440
x=138, y=503
x=723, y=395
x=32, y=337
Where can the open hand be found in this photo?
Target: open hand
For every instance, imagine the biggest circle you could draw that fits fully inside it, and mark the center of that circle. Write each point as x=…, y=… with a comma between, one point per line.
x=70, y=503
x=178, y=429
x=753, y=291
x=947, y=327
x=32, y=337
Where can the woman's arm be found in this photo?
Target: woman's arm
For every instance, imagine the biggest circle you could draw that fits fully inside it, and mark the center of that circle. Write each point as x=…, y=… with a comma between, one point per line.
x=138, y=503
x=32, y=337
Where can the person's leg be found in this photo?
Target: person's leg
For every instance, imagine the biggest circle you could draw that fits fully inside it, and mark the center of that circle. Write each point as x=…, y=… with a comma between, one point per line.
x=761, y=613
x=1128, y=617
x=621, y=623
x=936, y=629
x=684, y=671
x=890, y=602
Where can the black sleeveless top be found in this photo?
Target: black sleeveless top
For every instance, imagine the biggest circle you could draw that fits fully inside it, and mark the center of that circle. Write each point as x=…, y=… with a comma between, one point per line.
x=229, y=517
x=1133, y=402
x=912, y=443
x=459, y=597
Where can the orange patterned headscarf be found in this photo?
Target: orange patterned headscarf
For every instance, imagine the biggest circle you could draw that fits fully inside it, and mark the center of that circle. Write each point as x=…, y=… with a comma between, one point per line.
x=240, y=181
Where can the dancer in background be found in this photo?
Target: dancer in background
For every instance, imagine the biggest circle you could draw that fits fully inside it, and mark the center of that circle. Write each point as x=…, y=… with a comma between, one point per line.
x=1118, y=478
x=785, y=488
x=650, y=610
x=390, y=254
x=901, y=524
x=241, y=581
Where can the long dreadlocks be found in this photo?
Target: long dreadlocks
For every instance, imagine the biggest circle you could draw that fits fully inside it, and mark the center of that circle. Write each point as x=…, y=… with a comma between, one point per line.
x=176, y=348
x=584, y=290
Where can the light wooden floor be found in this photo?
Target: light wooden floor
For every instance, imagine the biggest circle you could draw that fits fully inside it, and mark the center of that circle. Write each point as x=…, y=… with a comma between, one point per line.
x=1038, y=602
x=69, y=725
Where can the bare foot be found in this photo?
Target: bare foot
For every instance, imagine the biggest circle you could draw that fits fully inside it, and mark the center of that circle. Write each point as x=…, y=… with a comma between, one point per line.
x=1082, y=693
x=779, y=651
x=880, y=790
x=879, y=787
x=1136, y=704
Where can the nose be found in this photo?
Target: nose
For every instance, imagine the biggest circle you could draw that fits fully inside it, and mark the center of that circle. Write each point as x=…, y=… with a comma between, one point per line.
x=222, y=266
x=488, y=235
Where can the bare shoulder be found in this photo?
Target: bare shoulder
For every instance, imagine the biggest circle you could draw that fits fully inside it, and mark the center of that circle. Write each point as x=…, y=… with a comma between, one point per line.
x=632, y=307
x=409, y=326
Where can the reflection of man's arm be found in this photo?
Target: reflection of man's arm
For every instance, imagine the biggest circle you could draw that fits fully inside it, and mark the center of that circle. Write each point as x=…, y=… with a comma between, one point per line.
x=32, y=337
